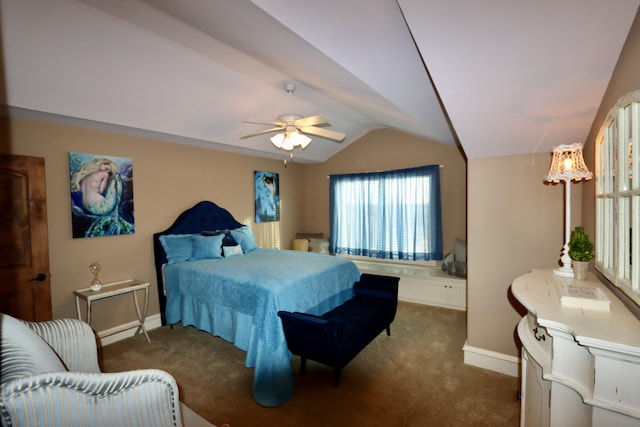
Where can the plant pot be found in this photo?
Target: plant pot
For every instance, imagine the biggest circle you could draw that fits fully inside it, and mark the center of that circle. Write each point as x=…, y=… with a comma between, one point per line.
x=580, y=269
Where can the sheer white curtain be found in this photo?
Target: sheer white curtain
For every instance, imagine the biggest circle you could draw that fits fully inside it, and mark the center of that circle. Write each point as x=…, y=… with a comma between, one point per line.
x=390, y=215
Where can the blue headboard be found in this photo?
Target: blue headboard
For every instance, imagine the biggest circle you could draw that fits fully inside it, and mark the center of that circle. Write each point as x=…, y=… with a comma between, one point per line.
x=204, y=216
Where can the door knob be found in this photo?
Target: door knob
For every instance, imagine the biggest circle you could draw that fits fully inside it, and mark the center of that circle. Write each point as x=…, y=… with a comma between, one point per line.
x=39, y=278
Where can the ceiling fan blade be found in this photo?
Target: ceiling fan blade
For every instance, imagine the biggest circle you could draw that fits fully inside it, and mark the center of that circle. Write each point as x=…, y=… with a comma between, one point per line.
x=312, y=121
x=325, y=133
x=262, y=132
x=254, y=122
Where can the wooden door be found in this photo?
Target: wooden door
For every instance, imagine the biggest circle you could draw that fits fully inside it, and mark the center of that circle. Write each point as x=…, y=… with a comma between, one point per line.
x=25, y=289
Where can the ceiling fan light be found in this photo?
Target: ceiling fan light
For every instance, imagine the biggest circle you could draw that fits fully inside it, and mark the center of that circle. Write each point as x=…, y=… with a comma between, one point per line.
x=277, y=140
x=298, y=139
x=287, y=144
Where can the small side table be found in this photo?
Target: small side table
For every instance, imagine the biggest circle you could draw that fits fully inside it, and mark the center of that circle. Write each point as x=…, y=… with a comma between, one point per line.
x=113, y=289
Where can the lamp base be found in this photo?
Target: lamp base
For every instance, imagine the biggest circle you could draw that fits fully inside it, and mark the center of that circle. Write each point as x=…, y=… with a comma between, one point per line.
x=564, y=272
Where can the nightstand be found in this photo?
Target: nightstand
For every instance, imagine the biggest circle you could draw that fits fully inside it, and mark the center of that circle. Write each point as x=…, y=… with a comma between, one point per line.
x=112, y=289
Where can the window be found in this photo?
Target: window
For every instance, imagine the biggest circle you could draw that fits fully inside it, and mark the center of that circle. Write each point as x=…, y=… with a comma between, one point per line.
x=389, y=215
x=618, y=196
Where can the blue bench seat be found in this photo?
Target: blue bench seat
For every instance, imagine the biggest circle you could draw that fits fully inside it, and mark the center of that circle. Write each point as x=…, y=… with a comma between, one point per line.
x=337, y=336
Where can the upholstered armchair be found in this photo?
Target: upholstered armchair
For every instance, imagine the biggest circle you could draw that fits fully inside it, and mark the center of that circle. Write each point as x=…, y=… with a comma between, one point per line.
x=49, y=376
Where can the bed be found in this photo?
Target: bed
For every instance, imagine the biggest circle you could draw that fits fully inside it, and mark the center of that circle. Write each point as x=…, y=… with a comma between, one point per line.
x=236, y=297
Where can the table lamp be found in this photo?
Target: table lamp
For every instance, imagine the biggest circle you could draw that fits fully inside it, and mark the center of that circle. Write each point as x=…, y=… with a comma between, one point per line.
x=567, y=165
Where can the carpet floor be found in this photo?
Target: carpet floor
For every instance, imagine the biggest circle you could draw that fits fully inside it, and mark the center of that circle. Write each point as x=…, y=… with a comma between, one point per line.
x=415, y=377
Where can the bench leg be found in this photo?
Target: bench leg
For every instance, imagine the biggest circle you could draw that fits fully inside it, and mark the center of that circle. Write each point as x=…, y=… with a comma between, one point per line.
x=303, y=364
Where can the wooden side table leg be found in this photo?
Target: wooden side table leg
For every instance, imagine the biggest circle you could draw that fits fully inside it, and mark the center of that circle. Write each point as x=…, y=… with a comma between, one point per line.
x=141, y=317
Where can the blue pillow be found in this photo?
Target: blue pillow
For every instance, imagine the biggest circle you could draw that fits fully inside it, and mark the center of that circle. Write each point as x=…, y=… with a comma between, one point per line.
x=228, y=238
x=178, y=247
x=244, y=236
x=207, y=247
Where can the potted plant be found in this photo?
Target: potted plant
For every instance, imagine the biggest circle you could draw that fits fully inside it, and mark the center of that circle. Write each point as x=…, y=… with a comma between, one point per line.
x=580, y=252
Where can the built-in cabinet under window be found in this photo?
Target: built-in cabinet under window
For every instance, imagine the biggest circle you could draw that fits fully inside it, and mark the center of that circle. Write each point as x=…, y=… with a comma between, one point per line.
x=421, y=284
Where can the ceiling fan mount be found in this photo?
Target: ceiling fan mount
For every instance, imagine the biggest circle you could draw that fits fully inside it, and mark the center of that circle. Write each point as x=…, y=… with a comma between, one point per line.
x=292, y=128
x=286, y=118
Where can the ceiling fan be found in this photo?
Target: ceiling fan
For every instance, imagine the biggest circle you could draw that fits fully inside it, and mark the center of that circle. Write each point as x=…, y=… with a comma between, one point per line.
x=292, y=128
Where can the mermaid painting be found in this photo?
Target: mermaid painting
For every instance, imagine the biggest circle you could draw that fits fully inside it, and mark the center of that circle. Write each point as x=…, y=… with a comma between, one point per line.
x=101, y=195
x=267, y=196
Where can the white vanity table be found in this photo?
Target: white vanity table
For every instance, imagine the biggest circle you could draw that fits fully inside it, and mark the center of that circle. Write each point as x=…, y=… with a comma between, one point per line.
x=579, y=367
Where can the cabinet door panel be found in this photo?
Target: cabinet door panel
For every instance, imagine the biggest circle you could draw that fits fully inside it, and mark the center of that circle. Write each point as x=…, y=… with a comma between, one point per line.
x=535, y=410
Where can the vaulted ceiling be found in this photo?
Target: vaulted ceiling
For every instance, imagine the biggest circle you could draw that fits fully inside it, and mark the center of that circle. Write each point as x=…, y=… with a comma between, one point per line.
x=496, y=77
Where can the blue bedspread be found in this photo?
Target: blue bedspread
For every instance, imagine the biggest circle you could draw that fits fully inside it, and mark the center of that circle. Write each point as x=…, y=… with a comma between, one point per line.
x=238, y=298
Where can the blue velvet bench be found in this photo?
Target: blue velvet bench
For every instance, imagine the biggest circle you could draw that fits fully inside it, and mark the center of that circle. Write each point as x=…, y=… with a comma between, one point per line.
x=337, y=336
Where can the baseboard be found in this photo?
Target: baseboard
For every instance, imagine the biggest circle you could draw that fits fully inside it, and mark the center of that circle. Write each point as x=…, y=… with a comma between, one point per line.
x=191, y=419
x=491, y=360
x=118, y=333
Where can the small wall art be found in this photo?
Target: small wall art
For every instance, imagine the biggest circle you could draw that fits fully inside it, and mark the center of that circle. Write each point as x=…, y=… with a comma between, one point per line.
x=267, y=196
x=101, y=195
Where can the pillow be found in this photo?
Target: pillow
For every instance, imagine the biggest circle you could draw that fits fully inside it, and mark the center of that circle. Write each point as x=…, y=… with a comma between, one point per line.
x=228, y=239
x=232, y=250
x=447, y=262
x=460, y=250
x=244, y=237
x=318, y=245
x=460, y=258
x=460, y=269
x=310, y=236
x=207, y=247
x=23, y=352
x=300, y=245
x=178, y=247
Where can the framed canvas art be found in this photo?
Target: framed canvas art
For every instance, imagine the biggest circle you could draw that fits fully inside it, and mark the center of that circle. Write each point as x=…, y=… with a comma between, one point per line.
x=101, y=195
x=267, y=196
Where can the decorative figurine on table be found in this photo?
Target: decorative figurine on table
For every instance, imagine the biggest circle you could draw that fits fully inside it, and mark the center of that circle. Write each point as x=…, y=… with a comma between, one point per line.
x=96, y=284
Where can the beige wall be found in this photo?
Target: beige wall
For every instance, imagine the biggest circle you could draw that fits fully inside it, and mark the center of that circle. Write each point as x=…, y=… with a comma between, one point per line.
x=515, y=223
x=168, y=178
x=387, y=149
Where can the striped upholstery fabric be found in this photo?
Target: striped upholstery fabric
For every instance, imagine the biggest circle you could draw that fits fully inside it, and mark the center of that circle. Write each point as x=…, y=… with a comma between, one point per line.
x=23, y=352
x=37, y=390
x=73, y=341
x=136, y=398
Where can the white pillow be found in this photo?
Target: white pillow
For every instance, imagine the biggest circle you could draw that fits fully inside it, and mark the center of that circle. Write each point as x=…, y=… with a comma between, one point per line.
x=232, y=250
